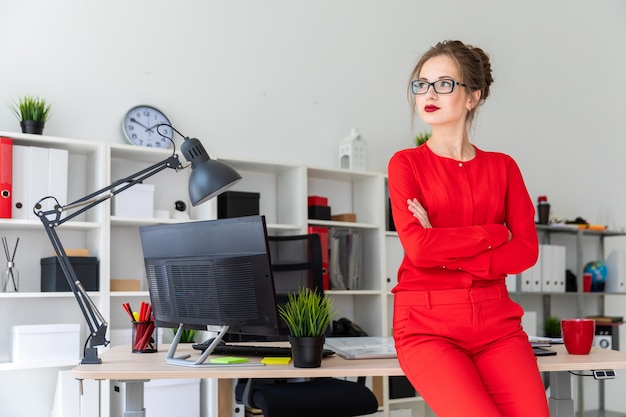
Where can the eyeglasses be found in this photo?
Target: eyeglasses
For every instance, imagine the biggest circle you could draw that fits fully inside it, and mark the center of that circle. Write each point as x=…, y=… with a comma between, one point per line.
x=445, y=86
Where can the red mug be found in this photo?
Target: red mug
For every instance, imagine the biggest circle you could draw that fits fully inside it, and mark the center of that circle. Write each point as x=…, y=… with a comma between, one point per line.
x=578, y=335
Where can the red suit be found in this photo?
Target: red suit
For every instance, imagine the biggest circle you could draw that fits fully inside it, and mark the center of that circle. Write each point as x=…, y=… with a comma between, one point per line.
x=457, y=332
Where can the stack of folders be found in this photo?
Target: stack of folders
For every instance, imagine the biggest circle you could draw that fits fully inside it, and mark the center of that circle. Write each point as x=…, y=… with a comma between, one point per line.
x=345, y=259
x=548, y=274
x=37, y=172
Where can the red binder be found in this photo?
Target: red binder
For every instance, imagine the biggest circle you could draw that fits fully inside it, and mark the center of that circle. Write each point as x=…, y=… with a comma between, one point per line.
x=6, y=177
x=323, y=232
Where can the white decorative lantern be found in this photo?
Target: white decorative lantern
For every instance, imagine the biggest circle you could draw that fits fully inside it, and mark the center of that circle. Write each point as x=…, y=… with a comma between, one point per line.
x=353, y=152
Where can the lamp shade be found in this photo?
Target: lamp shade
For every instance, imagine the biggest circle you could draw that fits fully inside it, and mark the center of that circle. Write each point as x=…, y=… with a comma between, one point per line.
x=208, y=177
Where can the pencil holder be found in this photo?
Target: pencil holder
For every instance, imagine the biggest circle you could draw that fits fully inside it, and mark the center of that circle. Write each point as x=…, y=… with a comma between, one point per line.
x=144, y=337
x=10, y=278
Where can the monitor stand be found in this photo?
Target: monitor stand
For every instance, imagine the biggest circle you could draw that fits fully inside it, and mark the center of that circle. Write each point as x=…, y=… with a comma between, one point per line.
x=200, y=362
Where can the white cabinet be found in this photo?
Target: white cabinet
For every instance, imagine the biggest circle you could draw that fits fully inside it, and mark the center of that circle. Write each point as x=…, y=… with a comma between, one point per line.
x=87, y=171
x=283, y=189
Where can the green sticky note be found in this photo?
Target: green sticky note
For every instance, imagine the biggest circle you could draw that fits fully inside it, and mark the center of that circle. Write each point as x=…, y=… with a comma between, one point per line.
x=228, y=359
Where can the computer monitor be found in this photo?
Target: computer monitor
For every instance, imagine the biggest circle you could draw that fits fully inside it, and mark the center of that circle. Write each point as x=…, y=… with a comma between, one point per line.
x=211, y=273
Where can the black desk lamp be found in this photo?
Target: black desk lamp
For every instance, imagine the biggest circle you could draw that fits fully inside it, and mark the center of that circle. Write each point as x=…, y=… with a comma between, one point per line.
x=208, y=178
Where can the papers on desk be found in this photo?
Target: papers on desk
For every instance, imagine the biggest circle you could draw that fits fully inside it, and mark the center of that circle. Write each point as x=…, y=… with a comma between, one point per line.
x=362, y=347
x=545, y=340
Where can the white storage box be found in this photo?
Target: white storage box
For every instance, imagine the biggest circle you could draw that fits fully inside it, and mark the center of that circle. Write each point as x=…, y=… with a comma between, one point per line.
x=136, y=201
x=162, y=397
x=45, y=343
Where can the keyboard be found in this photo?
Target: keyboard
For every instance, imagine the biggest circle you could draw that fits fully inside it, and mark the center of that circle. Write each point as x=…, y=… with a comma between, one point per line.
x=251, y=350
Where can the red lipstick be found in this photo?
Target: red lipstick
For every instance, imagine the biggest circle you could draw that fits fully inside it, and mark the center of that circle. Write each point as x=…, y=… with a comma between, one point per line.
x=430, y=108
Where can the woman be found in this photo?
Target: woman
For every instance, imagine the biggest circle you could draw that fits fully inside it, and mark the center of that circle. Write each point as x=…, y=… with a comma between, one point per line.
x=465, y=220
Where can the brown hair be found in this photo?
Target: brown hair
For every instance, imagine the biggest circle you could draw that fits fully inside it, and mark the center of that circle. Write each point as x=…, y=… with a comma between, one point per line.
x=474, y=69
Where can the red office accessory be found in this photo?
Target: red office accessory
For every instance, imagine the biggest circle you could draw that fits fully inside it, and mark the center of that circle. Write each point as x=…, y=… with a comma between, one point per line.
x=323, y=233
x=6, y=177
x=316, y=200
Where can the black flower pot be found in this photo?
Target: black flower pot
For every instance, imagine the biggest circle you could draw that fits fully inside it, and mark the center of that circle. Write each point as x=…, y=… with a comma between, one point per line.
x=307, y=351
x=32, y=126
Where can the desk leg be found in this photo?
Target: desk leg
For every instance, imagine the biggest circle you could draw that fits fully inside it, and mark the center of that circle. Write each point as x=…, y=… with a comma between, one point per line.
x=560, y=401
x=225, y=397
x=133, y=401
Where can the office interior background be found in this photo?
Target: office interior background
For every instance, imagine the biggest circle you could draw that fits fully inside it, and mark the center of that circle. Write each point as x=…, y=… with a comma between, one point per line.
x=281, y=80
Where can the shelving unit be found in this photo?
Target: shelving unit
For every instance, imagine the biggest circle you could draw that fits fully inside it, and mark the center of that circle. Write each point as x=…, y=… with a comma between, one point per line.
x=586, y=245
x=284, y=189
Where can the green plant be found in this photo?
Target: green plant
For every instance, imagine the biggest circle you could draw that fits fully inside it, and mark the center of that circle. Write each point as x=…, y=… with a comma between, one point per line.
x=307, y=313
x=552, y=326
x=32, y=108
x=187, y=335
x=421, y=138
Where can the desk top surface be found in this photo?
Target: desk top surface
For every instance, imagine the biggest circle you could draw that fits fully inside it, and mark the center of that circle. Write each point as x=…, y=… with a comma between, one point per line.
x=119, y=363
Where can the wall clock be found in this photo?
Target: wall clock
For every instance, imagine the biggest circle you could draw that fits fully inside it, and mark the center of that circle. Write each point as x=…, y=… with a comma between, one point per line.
x=140, y=127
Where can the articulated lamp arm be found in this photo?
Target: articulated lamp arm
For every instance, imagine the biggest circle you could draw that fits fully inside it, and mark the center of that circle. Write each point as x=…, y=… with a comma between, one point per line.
x=51, y=219
x=208, y=178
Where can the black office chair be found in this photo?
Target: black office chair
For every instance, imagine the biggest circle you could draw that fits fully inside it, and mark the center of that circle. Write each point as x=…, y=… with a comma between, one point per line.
x=297, y=263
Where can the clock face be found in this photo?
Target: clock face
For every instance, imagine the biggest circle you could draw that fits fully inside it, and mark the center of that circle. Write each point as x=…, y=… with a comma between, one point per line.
x=140, y=127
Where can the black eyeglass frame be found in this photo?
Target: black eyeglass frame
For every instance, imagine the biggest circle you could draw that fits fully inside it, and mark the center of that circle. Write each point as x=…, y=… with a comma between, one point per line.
x=414, y=86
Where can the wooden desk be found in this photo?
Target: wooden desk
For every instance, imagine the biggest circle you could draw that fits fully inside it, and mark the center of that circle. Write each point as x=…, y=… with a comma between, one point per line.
x=118, y=363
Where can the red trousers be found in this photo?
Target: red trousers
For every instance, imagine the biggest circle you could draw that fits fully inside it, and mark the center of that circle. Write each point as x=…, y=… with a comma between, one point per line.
x=466, y=354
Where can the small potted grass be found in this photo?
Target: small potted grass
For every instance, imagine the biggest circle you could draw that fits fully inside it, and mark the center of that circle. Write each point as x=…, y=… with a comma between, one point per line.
x=33, y=112
x=307, y=315
x=187, y=335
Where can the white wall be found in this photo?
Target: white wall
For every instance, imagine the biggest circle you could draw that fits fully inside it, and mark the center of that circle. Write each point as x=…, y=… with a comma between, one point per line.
x=285, y=80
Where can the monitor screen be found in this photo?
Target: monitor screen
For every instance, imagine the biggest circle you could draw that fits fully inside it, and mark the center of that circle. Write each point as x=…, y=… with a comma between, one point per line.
x=211, y=273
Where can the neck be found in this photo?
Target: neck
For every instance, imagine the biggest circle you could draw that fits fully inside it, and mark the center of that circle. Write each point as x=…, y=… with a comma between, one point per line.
x=451, y=143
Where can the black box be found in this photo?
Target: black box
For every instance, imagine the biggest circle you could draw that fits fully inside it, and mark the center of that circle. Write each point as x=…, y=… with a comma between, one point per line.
x=400, y=387
x=86, y=268
x=319, y=212
x=237, y=204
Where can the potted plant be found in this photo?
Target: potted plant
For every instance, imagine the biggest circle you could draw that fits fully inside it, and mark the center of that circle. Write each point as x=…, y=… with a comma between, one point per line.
x=33, y=112
x=552, y=327
x=187, y=335
x=307, y=315
x=421, y=138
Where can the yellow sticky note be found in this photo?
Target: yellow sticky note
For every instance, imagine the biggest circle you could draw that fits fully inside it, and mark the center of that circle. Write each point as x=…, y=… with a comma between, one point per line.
x=276, y=360
x=228, y=359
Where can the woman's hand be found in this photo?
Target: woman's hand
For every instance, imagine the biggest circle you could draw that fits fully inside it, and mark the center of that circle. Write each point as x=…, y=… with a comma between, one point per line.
x=419, y=213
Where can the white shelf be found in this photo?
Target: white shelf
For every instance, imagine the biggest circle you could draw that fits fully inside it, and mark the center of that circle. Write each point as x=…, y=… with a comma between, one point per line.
x=123, y=294
x=11, y=366
x=283, y=187
x=343, y=225
x=64, y=294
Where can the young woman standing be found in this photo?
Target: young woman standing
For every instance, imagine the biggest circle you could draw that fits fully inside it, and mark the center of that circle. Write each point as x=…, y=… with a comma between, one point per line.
x=465, y=221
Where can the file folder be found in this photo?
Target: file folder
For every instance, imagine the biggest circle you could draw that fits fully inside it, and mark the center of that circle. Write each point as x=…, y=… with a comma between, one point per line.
x=6, y=174
x=345, y=259
x=37, y=179
x=323, y=234
x=57, y=176
x=395, y=255
x=37, y=172
x=547, y=268
x=21, y=174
